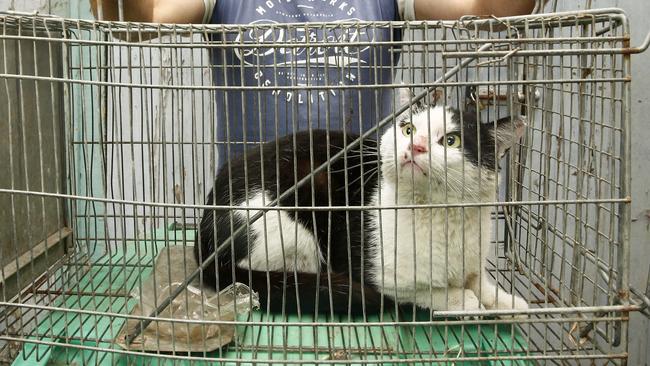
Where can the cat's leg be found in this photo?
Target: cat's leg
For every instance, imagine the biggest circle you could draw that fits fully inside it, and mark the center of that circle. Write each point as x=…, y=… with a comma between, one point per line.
x=452, y=298
x=492, y=297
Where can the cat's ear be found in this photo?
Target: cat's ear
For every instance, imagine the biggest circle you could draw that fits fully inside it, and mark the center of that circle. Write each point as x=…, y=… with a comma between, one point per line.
x=508, y=132
x=404, y=95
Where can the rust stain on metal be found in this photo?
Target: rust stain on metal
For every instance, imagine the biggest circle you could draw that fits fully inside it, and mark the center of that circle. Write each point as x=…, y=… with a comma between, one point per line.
x=549, y=298
x=623, y=294
x=626, y=49
x=491, y=96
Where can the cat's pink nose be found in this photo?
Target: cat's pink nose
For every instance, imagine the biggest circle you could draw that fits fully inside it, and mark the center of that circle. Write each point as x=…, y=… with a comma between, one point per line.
x=417, y=149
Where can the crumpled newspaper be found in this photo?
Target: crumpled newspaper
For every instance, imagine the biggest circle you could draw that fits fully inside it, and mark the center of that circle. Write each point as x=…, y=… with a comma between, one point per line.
x=171, y=266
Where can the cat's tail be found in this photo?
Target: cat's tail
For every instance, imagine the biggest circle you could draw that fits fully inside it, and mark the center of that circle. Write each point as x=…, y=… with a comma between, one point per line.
x=311, y=293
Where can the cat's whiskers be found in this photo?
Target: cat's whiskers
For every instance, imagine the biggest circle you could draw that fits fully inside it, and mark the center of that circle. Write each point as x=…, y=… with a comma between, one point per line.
x=365, y=147
x=373, y=173
x=452, y=181
x=454, y=185
x=373, y=162
x=357, y=149
x=362, y=176
x=459, y=187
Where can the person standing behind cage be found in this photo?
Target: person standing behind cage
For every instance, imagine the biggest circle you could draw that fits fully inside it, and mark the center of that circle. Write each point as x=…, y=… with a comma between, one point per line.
x=323, y=87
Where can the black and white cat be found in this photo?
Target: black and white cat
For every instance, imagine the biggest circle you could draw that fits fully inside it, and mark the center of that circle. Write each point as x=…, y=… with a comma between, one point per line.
x=351, y=260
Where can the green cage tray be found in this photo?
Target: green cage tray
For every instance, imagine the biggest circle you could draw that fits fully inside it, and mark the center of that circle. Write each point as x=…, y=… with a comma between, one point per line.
x=102, y=285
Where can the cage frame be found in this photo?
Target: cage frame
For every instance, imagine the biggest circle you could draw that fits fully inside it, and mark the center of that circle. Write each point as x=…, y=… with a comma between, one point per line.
x=626, y=304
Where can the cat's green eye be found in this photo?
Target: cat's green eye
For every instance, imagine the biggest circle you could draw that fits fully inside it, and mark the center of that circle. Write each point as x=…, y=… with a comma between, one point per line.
x=452, y=140
x=408, y=129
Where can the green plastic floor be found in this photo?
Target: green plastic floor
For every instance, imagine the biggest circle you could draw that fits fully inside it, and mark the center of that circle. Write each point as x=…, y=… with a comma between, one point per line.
x=102, y=286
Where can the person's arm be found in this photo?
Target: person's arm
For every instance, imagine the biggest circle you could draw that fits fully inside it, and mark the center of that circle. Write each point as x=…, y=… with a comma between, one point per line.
x=152, y=11
x=455, y=9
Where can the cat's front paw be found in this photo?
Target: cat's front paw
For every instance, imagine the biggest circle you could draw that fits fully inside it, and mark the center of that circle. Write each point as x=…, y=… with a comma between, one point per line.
x=512, y=302
x=467, y=301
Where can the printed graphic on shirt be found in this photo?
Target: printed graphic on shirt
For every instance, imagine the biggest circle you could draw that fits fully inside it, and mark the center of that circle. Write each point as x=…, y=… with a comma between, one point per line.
x=304, y=65
x=293, y=61
x=331, y=53
x=322, y=70
x=310, y=8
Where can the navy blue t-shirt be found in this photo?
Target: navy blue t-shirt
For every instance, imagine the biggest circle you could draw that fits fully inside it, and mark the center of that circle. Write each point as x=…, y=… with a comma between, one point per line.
x=246, y=117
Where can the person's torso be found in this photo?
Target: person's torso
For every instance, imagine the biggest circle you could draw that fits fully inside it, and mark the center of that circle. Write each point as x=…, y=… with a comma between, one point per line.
x=322, y=87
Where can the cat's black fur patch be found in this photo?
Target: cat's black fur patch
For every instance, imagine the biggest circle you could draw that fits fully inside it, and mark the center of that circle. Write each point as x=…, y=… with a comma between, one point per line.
x=478, y=139
x=340, y=229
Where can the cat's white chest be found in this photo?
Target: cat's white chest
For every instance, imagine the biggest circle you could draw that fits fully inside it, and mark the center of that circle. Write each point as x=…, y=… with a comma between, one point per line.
x=415, y=250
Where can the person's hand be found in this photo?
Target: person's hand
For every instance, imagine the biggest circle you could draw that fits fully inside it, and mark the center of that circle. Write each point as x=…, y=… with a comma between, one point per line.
x=456, y=9
x=148, y=11
x=151, y=11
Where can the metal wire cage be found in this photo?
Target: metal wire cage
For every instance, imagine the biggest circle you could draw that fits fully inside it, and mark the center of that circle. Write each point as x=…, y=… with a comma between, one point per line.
x=114, y=143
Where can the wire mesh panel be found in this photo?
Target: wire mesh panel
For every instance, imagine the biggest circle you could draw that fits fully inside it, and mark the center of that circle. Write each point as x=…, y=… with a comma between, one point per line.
x=337, y=193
